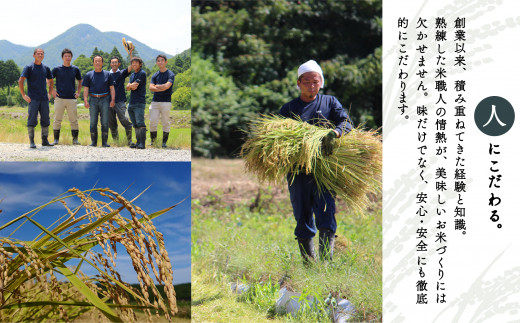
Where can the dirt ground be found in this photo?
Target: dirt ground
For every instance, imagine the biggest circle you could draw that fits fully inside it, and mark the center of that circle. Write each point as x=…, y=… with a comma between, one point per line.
x=228, y=178
x=224, y=182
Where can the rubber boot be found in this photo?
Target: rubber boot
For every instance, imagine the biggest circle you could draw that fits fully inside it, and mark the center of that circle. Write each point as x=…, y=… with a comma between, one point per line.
x=45, y=134
x=142, y=138
x=137, y=138
x=153, y=136
x=306, y=250
x=30, y=130
x=115, y=135
x=93, y=138
x=56, y=136
x=326, y=238
x=75, y=134
x=165, y=138
x=104, y=139
x=129, y=137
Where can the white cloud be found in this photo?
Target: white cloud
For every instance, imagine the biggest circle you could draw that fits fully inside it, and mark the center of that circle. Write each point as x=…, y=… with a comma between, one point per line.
x=26, y=196
x=28, y=168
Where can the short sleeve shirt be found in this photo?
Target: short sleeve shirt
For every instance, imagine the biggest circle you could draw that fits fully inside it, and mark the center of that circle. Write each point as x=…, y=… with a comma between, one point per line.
x=37, y=76
x=98, y=82
x=66, y=77
x=138, y=95
x=119, y=77
x=162, y=78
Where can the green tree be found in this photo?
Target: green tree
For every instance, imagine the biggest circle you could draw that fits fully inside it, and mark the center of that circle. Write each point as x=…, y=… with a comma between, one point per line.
x=117, y=54
x=182, y=80
x=95, y=52
x=260, y=45
x=84, y=64
x=181, y=98
x=219, y=112
x=106, y=57
x=9, y=75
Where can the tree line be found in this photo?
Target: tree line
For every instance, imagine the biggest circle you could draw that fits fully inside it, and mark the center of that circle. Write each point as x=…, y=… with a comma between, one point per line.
x=179, y=64
x=246, y=56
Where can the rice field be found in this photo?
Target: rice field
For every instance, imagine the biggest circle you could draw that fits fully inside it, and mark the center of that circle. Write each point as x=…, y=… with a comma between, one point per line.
x=13, y=121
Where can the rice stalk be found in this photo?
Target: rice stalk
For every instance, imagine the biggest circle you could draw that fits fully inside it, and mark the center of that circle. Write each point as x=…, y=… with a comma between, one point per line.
x=278, y=147
x=30, y=289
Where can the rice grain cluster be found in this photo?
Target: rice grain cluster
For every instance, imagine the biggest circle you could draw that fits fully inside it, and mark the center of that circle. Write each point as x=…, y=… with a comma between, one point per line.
x=279, y=146
x=44, y=278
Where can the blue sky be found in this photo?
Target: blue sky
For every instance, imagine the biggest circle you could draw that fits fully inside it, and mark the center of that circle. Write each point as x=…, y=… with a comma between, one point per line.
x=27, y=185
x=162, y=25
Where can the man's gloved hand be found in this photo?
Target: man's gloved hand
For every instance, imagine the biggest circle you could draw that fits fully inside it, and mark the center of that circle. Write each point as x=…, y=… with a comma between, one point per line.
x=327, y=144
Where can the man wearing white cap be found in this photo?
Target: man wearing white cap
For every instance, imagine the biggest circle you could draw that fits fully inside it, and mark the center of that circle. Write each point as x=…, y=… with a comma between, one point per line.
x=318, y=109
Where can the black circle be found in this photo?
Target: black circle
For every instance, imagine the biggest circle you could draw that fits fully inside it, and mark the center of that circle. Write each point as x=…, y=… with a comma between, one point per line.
x=494, y=121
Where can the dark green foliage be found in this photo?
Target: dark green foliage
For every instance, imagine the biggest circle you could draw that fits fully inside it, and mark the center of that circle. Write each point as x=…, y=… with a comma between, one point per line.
x=15, y=99
x=219, y=111
x=117, y=54
x=182, y=291
x=260, y=44
x=84, y=64
x=9, y=75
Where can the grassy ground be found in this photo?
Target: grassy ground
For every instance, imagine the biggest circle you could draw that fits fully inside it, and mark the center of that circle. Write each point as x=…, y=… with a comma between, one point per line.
x=243, y=232
x=13, y=128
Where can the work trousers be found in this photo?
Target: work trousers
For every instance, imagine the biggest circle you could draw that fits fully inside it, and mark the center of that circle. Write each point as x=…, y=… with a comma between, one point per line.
x=160, y=110
x=136, y=113
x=118, y=112
x=60, y=105
x=41, y=107
x=307, y=201
x=99, y=108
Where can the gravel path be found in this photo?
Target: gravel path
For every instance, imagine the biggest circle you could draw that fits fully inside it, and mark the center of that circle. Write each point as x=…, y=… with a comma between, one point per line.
x=22, y=152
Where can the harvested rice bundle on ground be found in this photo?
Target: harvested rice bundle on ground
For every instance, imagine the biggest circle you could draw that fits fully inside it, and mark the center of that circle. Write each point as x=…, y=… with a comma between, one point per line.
x=278, y=146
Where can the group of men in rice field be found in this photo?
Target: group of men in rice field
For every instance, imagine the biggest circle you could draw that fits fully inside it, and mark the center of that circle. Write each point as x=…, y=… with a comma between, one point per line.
x=104, y=95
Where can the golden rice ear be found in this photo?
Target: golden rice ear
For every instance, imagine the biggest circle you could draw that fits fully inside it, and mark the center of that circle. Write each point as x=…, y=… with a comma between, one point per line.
x=126, y=45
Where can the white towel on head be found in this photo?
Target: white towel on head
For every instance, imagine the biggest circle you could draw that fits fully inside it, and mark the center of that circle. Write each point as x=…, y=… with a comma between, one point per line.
x=311, y=66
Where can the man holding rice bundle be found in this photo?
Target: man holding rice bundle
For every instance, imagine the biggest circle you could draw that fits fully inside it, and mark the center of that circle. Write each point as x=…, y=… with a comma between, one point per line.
x=306, y=200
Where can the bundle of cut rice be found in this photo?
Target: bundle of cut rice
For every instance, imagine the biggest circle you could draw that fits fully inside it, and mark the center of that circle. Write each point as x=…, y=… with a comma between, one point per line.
x=279, y=146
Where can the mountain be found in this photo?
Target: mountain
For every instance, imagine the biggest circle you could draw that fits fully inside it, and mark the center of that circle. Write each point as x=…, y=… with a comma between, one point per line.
x=81, y=39
x=9, y=50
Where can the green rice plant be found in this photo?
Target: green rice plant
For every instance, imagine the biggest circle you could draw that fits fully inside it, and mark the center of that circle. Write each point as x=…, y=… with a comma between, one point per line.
x=29, y=269
x=280, y=146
